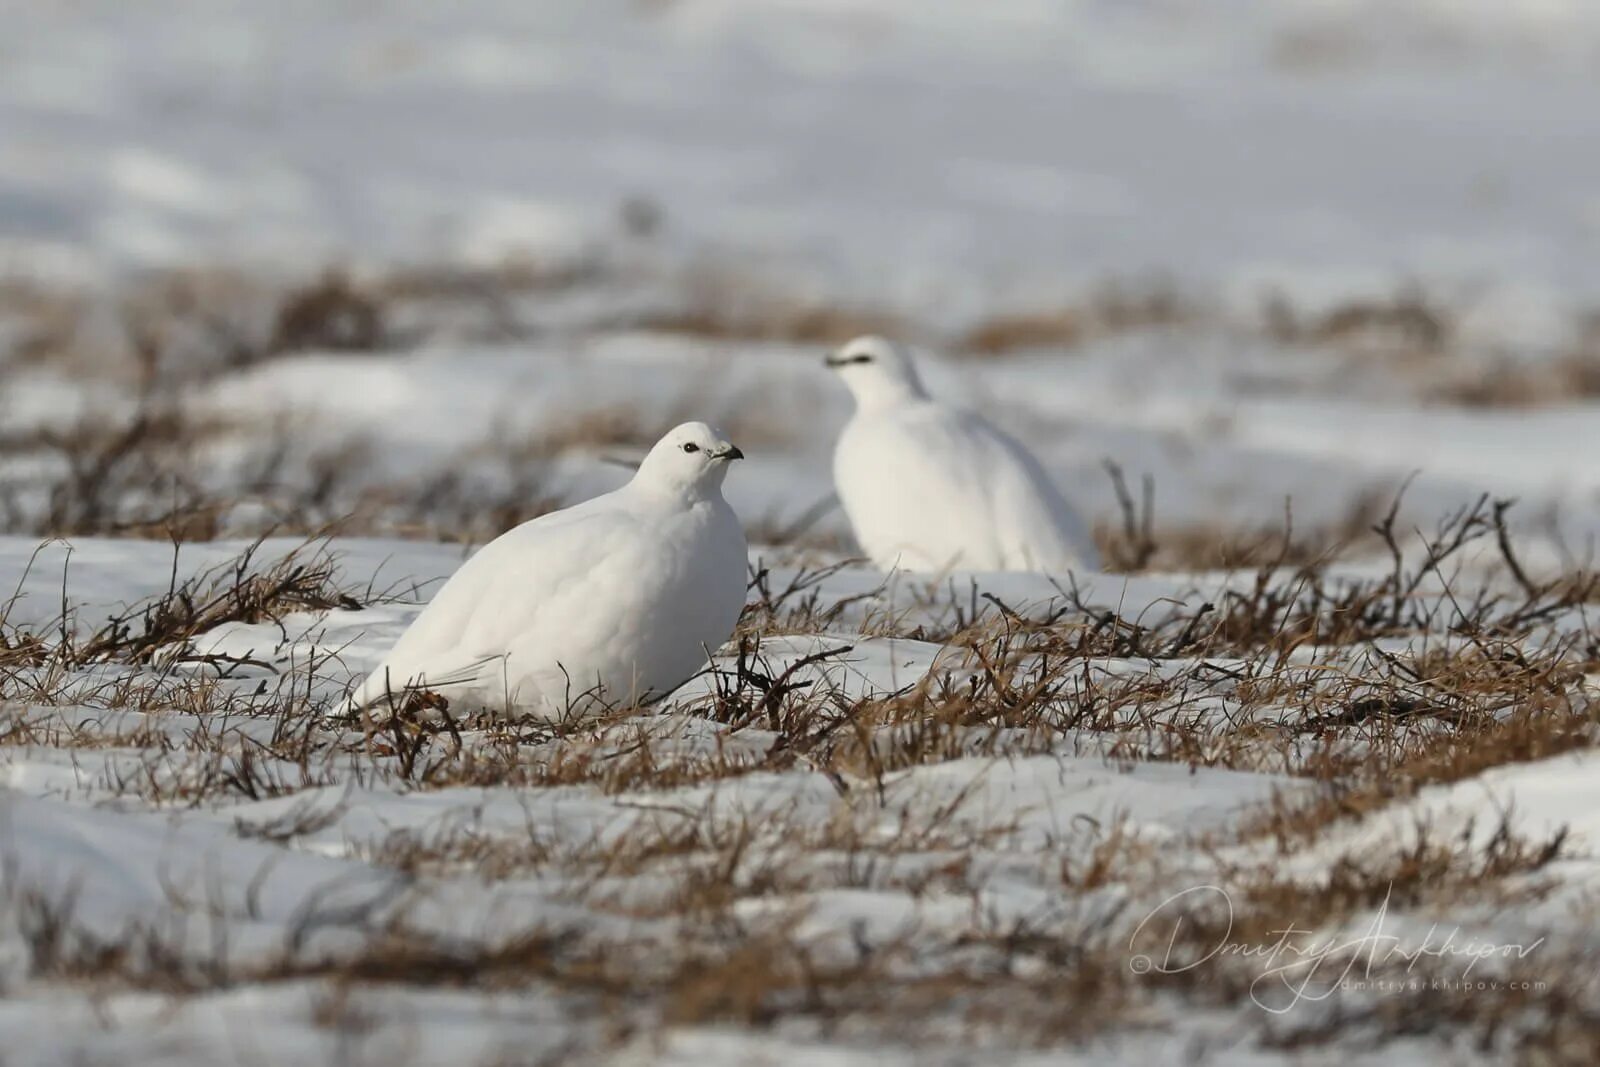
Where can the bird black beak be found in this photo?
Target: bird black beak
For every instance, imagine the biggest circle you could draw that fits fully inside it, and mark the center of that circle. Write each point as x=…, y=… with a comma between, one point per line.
x=730, y=453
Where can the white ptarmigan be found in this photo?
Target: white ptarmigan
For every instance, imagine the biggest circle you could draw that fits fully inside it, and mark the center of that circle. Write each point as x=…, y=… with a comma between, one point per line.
x=610, y=603
x=930, y=487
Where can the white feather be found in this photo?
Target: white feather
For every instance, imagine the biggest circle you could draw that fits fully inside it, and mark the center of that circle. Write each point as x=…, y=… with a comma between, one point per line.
x=610, y=603
x=930, y=487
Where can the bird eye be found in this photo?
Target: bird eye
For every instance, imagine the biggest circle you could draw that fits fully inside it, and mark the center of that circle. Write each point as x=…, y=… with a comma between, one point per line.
x=691, y=447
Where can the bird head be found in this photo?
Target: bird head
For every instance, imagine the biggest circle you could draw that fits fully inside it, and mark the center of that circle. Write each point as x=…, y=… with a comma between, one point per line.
x=691, y=459
x=877, y=371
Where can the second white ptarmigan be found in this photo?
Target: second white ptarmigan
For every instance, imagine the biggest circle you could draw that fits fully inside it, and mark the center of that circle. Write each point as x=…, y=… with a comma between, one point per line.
x=929, y=487
x=610, y=603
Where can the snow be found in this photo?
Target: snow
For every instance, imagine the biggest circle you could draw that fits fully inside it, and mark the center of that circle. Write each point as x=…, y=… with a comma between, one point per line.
x=301, y=880
x=945, y=160
x=940, y=165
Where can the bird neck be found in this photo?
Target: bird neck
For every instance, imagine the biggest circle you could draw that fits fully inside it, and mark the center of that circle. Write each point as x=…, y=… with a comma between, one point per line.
x=674, y=496
x=878, y=394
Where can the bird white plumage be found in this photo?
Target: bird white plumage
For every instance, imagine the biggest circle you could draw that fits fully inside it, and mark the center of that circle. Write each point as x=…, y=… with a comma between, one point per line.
x=609, y=603
x=930, y=487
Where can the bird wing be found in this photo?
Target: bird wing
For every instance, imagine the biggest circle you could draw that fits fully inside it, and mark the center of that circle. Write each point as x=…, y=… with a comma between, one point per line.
x=530, y=577
x=1036, y=527
x=932, y=487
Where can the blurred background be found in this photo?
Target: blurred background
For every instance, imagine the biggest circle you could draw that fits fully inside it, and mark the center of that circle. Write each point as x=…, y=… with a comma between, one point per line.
x=420, y=269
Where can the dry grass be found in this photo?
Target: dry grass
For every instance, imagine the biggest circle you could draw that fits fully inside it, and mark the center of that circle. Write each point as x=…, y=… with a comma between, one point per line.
x=1137, y=543
x=1570, y=377
x=1408, y=321
x=818, y=324
x=182, y=326
x=707, y=959
x=1421, y=344
x=1454, y=661
x=1112, y=310
x=154, y=473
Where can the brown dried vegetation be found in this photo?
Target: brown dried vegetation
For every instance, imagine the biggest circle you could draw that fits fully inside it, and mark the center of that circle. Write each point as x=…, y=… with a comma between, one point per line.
x=1363, y=691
